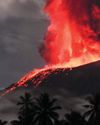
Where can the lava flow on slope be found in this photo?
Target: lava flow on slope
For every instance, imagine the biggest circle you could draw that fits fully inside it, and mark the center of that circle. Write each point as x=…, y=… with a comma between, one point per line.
x=72, y=39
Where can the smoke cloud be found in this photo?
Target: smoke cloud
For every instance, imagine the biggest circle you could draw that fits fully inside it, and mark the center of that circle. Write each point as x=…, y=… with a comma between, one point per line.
x=21, y=8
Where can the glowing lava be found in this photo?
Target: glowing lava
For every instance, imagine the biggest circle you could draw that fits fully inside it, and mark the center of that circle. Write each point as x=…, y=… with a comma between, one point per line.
x=73, y=37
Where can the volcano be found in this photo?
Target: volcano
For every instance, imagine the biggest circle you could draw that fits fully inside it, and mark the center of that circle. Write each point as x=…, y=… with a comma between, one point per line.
x=80, y=80
x=72, y=40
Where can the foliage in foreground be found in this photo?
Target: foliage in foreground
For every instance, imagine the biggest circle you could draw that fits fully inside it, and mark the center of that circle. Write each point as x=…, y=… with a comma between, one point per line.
x=44, y=110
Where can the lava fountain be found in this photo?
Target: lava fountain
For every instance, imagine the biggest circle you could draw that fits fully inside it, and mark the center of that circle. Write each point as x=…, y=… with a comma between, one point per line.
x=74, y=33
x=73, y=37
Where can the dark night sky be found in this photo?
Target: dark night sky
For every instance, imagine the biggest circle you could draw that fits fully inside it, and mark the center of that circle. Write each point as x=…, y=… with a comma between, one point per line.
x=22, y=28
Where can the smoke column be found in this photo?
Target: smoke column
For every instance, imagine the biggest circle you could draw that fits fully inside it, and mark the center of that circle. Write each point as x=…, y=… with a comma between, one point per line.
x=74, y=33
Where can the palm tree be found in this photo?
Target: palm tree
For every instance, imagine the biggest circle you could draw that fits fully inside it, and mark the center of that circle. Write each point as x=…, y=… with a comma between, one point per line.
x=93, y=109
x=26, y=109
x=3, y=122
x=74, y=118
x=46, y=110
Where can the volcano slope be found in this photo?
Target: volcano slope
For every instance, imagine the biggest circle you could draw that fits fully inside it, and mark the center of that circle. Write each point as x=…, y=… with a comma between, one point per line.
x=80, y=80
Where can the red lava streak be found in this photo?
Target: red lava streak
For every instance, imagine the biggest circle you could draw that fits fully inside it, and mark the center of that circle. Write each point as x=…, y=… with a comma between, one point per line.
x=73, y=36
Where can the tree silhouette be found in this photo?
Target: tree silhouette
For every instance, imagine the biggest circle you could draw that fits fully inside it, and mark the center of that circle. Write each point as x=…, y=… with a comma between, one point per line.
x=93, y=109
x=26, y=110
x=3, y=122
x=46, y=110
x=74, y=118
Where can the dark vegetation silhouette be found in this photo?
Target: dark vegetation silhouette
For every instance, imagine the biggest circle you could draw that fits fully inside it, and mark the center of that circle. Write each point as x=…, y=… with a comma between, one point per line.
x=26, y=109
x=44, y=110
x=3, y=122
x=93, y=109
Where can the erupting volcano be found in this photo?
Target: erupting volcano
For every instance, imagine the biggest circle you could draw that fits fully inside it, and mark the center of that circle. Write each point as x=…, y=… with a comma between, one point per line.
x=73, y=37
